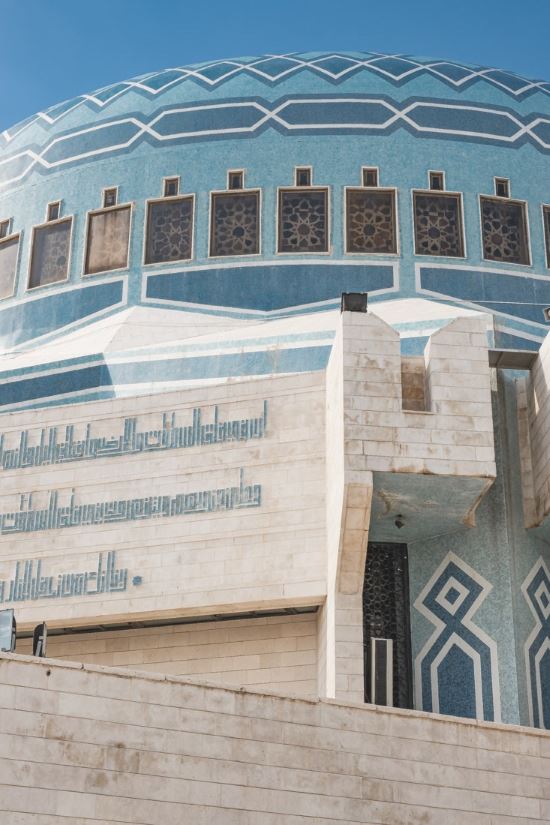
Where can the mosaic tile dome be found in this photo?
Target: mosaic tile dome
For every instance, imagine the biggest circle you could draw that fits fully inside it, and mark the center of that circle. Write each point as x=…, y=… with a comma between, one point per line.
x=254, y=264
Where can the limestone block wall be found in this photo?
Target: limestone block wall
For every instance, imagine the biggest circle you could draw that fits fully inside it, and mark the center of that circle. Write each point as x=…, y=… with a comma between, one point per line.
x=274, y=652
x=413, y=383
x=455, y=437
x=95, y=746
x=348, y=498
x=534, y=435
x=369, y=432
x=199, y=560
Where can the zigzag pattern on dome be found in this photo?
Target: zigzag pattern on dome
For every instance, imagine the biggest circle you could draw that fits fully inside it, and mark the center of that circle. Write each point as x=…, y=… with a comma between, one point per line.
x=245, y=118
x=334, y=67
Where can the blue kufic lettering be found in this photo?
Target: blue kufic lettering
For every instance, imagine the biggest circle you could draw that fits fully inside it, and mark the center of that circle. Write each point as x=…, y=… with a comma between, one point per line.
x=55, y=517
x=169, y=436
x=33, y=585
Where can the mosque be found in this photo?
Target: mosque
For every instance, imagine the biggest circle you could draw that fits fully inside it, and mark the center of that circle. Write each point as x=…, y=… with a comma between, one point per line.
x=274, y=446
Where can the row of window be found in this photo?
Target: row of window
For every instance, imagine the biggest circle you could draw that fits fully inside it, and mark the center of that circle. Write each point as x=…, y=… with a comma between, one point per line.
x=302, y=227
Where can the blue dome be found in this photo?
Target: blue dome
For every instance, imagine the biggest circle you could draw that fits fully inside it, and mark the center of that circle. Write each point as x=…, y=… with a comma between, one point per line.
x=240, y=94
x=334, y=115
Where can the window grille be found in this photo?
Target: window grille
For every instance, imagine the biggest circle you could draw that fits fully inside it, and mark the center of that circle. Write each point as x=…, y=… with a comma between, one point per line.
x=169, y=234
x=370, y=221
x=303, y=220
x=386, y=615
x=235, y=223
x=504, y=230
x=9, y=250
x=438, y=224
x=50, y=253
x=107, y=240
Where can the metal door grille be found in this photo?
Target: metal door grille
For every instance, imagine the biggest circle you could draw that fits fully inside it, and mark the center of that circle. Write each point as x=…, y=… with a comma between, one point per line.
x=386, y=614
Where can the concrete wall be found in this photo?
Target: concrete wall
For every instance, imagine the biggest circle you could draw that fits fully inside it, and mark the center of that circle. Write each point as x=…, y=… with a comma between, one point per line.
x=87, y=745
x=275, y=652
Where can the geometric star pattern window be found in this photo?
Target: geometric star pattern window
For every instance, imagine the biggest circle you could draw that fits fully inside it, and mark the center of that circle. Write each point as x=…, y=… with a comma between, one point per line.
x=235, y=223
x=169, y=230
x=9, y=250
x=504, y=229
x=50, y=253
x=303, y=220
x=108, y=240
x=546, y=215
x=438, y=224
x=370, y=221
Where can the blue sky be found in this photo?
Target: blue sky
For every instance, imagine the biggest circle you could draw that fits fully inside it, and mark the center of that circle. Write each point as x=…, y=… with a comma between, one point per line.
x=51, y=50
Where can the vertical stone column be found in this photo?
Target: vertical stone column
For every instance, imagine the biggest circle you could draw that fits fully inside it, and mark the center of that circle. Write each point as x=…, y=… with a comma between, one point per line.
x=366, y=351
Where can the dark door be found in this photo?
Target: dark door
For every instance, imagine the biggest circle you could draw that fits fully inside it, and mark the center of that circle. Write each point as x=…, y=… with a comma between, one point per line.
x=386, y=615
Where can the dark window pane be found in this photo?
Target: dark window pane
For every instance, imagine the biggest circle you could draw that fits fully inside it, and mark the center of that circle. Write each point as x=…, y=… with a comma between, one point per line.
x=502, y=188
x=438, y=225
x=109, y=197
x=235, y=180
x=370, y=177
x=303, y=220
x=370, y=220
x=169, y=231
x=171, y=187
x=547, y=233
x=235, y=224
x=504, y=230
x=108, y=236
x=53, y=211
x=8, y=264
x=303, y=177
x=50, y=254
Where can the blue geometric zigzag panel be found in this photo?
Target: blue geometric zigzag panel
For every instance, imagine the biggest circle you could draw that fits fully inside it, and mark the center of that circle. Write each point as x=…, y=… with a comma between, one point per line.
x=457, y=669
x=536, y=589
x=333, y=68
x=297, y=115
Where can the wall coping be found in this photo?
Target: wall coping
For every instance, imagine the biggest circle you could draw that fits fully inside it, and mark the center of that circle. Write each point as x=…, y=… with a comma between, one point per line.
x=147, y=676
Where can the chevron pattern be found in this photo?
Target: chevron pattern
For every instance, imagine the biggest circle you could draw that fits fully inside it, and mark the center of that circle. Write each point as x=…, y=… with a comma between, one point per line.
x=246, y=118
x=333, y=67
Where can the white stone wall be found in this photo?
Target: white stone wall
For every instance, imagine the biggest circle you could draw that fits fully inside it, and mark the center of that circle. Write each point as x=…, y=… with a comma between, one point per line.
x=92, y=746
x=455, y=436
x=327, y=437
x=267, y=556
x=369, y=432
x=272, y=652
x=534, y=437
